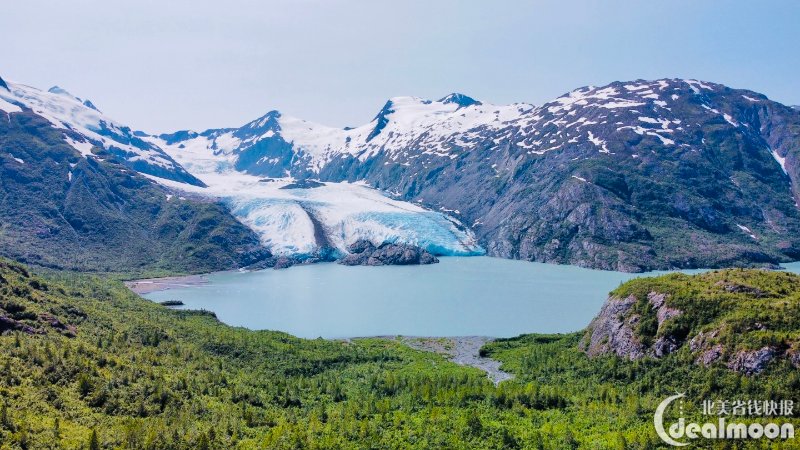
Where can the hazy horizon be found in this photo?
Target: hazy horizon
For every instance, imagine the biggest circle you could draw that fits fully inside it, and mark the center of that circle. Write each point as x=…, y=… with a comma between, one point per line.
x=192, y=65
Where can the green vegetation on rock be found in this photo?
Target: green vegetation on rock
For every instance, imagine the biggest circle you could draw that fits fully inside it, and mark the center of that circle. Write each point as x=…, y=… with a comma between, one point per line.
x=721, y=316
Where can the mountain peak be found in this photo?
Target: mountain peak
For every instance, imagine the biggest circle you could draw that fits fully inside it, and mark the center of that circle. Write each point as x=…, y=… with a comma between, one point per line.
x=460, y=99
x=58, y=90
x=3, y=84
x=272, y=114
x=178, y=136
x=268, y=120
x=89, y=104
x=381, y=119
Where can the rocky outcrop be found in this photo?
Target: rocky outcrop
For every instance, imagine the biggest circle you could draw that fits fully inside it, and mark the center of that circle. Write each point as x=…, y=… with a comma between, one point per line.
x=739, y=319
x=285, y=261
x=711, y=355
x=8, y=324
x=303, y=184
x=753, y=361
x=16, y=317
x=794, y=355
x=703, y=345
x=740, y=288
x=58, y=325
x=614, y=330
x=611, y=332
x=659, y=303
x=365, y=253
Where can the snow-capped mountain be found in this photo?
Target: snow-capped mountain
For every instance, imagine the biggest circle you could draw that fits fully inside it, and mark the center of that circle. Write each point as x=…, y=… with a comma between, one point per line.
x=86, y=128
x=279, y=145
x=306, y=219
x=617, y=177
x=409, y=129
x=70, y=198
x=343, y=212
x=629, y=176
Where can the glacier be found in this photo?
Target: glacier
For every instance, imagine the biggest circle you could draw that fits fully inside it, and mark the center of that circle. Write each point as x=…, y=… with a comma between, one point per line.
x=300, y=222
x=293, y=222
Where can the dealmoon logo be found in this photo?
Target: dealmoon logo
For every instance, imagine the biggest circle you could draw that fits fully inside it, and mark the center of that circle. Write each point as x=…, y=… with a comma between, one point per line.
x=658, y=421
x=719, y=430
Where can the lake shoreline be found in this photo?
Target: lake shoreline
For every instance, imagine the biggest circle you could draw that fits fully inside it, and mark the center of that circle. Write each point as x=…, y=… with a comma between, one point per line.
x=462, y=350
x=150, y=285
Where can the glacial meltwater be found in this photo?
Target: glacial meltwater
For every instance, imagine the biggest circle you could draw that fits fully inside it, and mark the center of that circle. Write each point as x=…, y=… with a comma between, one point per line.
x=460, y=296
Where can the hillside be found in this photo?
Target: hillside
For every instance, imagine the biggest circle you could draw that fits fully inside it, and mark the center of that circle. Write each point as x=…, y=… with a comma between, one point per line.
x=83, y=360
x=86, y=208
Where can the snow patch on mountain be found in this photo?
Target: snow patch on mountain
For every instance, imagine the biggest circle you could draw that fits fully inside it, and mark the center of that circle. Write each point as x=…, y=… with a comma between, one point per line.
x=9, y=107
x=68, y=112
x=781, y=160
x=84, y=147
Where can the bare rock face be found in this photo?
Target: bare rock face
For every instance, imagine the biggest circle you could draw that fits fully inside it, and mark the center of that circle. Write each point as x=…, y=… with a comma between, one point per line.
x=707, y=351
x=612, y=333
x=665, y=345
x=8, y=324
x=365, y=253
x=711, y=355
x=752, y=362
x=663, y=312
x=614, y=329
x=794, y=355
x=735, y=319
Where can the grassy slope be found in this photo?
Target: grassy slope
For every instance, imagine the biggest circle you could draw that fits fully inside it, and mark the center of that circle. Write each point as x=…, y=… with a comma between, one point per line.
x=139, y=375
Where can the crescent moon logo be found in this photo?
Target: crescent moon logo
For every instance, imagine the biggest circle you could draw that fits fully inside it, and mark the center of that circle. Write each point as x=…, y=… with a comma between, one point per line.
x=658, y=421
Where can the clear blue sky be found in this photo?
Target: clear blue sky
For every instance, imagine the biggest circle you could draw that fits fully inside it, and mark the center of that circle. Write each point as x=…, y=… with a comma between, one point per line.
x=168, y=65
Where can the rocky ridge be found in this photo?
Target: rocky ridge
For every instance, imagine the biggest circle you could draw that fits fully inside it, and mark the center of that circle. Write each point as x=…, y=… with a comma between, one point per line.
x=713, y=318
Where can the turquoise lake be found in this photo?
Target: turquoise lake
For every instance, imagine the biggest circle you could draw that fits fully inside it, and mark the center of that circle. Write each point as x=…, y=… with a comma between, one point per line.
x=460, y=296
